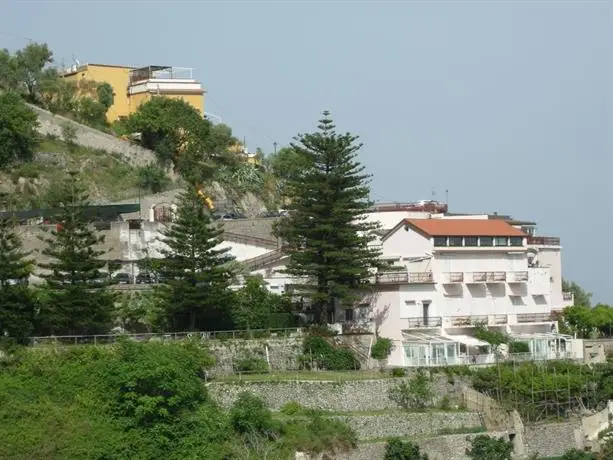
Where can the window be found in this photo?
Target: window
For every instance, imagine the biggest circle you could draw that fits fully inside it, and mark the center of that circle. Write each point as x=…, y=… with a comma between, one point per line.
x=502, y=241
x=349, y=314
x=471, y=241
x=455, y=241
x=440, y=241
x=517, y=241
x=486, y=241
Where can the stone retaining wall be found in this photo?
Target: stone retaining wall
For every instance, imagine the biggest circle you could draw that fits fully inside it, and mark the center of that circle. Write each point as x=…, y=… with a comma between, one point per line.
x=410, y=424
x=50, y=124
x=338, y=396
x=448, y=447
x=551, y=439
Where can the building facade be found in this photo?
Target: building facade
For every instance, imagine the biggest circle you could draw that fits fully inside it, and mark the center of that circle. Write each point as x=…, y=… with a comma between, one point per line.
x=134, y=86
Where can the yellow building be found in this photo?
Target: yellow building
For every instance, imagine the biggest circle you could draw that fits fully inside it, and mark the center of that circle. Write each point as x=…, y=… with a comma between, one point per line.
x=133, y=86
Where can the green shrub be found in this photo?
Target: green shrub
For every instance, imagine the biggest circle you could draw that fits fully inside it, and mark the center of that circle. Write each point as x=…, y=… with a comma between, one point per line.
x=327, y=356
x=319, y=434
x=292, y=408
x=153, y=178
x=519, y=347
x=485, y=447
x=414, y=394
x=396, y=449
x=251, y=364
x=250, y=416
x=399, y=372
x=382, y=348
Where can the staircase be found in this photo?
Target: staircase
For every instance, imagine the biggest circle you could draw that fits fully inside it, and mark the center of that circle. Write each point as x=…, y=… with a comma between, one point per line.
x=268, y=243
x=264, y=260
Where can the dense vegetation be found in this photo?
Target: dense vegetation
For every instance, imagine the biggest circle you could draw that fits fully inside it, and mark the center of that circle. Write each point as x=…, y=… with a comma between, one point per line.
x=140, y=401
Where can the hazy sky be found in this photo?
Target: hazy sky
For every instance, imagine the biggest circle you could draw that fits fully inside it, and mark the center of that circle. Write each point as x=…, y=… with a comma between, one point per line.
x=506, y=104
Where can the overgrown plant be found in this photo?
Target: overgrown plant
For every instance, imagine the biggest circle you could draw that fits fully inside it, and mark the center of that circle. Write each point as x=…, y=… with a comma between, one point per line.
x=414, y=394
x=382, y=348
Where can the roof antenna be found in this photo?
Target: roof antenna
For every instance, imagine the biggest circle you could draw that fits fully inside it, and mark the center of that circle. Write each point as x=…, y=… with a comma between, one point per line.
x=447, y=197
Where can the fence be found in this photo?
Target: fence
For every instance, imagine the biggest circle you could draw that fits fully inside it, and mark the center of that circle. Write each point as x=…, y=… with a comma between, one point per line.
x=105, y=339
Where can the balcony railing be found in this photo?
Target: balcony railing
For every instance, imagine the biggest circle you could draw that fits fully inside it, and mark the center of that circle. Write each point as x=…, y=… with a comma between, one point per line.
x=534, y=317
x=421, y=322
x=544, y=240
x=518, y=277
x=496, y=277
x=403, y=278
x=478, y=277
x=453, y=277
x=568, y=297
x=458, y=321
x=501, y=319
x=489, y=277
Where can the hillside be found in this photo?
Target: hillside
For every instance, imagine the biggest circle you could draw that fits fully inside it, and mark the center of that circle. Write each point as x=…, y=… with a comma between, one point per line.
x=108, y=177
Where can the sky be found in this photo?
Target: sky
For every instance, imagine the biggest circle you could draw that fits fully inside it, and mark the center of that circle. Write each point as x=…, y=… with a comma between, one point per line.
x=507, y=105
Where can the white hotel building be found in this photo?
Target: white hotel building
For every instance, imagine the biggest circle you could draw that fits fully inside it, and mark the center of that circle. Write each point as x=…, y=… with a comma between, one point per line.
x=453, y=272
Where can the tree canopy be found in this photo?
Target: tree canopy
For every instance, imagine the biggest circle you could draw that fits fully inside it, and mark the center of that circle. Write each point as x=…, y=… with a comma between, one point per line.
x=18, y=136
x=197, y=274
x=325, y=234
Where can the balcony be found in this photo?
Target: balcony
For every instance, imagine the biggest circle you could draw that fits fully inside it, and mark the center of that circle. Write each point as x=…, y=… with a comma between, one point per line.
x=488, y=277
x=421, y=322
x=568, y=297
x=478, y=277
x=500, y=320
x=453, y=277
x=534, y=318
x=544, y=240
x=518, y=277
x=459, y=321
x=403, y=278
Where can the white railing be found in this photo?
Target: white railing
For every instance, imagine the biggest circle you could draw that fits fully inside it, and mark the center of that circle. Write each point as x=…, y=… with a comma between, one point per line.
x=104, y=339
x=485, y=360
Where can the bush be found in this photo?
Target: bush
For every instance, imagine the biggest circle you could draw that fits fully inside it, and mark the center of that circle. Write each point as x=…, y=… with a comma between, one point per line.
x=153, y=178
x=414, y=394
x=320, y=434
x=397, y=449
x=382, y=348
x=399, y=372
x=252, y=364
x=292, y=408
x=519, y=347
x=485, y=447
x=327, y=356
x=250, y=416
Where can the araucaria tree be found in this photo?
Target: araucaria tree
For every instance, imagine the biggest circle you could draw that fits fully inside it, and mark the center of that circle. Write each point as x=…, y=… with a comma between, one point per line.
x=326, y=235
x=197, y=275
x=78, y=302
x=16, y=301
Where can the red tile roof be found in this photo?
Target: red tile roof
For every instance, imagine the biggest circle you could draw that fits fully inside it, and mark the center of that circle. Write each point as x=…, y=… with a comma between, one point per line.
x=464, y=227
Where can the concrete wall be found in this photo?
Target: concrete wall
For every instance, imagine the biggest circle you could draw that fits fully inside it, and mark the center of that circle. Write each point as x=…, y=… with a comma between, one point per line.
x=88, y=137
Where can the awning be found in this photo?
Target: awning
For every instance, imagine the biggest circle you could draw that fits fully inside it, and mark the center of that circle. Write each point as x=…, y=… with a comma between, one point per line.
x=424, y=337
x=468, y=340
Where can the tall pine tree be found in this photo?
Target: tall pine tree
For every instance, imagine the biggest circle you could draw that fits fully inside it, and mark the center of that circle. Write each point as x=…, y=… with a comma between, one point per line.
x=197, y=276
x=78, y=301
x=17, y=306
x=325, y=234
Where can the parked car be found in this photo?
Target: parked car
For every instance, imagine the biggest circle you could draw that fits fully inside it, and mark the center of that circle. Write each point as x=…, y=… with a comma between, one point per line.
x=122, y=278
x=144, y=278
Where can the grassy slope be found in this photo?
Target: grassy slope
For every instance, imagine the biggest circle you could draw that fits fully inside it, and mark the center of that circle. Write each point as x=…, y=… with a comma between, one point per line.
x=109, y=178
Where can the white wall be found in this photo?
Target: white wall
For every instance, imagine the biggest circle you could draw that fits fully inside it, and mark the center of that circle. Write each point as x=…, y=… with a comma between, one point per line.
x=389, y=219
